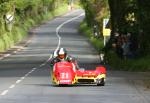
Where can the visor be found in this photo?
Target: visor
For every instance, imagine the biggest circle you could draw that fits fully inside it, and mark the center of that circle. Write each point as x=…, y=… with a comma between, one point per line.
x=61, y=56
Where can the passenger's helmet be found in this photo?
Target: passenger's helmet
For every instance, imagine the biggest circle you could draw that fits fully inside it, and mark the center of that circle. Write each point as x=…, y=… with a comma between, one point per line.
x=62, y=53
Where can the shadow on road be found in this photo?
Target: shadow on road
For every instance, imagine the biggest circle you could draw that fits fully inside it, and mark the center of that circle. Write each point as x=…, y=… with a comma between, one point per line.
x=63, y=85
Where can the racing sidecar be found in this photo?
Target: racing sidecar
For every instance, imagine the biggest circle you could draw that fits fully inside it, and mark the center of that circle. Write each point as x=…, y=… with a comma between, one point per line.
x=66, y=73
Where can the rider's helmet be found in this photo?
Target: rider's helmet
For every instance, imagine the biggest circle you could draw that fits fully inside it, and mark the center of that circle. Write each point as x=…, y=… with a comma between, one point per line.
x=62, y=53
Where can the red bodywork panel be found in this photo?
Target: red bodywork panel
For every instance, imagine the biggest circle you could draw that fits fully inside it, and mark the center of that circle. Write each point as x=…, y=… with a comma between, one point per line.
x=91, y=73
x=64, y=72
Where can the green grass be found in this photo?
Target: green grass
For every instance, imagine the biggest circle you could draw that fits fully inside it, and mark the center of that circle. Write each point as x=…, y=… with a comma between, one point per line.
x=138, y=64
x=1, y=44
x=20, y=31
x=88, y=31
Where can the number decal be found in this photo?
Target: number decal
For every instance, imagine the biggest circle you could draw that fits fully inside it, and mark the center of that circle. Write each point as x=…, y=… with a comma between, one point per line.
x=64, y=75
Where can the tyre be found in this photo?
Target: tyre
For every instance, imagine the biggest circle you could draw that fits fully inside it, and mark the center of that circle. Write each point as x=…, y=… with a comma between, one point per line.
x=101, y=83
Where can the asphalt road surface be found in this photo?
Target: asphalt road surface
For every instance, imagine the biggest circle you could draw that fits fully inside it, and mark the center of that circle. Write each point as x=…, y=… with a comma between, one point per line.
x=25, y=77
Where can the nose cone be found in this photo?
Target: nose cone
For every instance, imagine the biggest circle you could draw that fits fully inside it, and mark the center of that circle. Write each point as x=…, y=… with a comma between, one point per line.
x=64, y=72
x=65, y=77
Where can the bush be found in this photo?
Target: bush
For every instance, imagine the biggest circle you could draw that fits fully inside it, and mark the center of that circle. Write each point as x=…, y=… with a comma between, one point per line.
x=88, y=31
x=137, y=64
x=27, y=13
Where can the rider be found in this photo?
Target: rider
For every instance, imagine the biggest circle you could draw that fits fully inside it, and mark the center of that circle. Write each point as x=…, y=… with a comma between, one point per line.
x=61, y=55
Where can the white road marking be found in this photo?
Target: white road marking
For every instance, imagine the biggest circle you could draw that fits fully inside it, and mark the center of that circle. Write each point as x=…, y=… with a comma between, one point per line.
x=34, y=68
x=71, y=13
x=6, y=55
x=59, y=43
x=22, y=78
x=30, y=72
x=18, y=81
x=18, y=49
x=15, y=52
x=4, y=92
x=42, y=64
x=26, y=74
x=12, y=86
x=59, y=27
x=28, y=41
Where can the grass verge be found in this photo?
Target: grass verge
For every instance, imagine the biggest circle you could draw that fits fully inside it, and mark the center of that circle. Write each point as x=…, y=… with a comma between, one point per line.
x=88, y=31
x=20, y=30
x=136, y=64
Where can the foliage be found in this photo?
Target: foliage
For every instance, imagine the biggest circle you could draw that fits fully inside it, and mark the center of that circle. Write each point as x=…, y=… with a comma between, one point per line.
x=126, y=16
x=26, y=14
x=132, y=16
x=137, y=64
x=95, y=11
x=97, y=42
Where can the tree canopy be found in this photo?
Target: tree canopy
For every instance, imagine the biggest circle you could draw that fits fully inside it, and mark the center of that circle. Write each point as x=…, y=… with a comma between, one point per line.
x=126, y=16
x=17, y=16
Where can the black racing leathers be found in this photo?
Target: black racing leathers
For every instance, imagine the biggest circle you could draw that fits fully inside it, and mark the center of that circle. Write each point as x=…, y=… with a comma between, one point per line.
x=68, y=58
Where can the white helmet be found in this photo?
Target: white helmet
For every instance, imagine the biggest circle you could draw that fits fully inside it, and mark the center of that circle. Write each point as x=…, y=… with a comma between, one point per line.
x=62, y=53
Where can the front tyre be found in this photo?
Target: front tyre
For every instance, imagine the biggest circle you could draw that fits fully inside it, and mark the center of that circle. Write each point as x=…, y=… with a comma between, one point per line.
x=101, y=82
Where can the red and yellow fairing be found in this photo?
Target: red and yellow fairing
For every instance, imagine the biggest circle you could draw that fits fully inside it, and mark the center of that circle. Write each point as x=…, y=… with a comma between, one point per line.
x=66, y=73
x=90, y=76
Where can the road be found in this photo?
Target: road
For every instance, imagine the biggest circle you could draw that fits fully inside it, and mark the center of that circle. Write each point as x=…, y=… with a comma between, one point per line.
x=25, y=77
